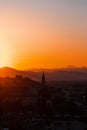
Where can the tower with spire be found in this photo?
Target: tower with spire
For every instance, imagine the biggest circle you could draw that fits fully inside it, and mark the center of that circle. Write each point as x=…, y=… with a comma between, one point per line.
x=43, y=80
x=44, y=96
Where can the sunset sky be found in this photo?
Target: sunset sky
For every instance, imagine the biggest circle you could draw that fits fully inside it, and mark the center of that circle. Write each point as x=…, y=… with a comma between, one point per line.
x=43, y=33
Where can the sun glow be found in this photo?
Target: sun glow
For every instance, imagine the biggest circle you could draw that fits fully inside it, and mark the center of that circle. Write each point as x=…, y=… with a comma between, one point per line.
x=35, y=35
x=5, y=54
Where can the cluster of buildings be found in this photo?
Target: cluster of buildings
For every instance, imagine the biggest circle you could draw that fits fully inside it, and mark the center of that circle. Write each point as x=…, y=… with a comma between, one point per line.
x=28, y=99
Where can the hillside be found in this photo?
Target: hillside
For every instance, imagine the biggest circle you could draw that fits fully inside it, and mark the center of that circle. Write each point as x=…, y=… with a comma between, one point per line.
x=67, y=74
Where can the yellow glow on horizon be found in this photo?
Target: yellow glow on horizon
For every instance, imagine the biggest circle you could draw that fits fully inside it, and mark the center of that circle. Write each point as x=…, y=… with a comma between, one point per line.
x=6, y=56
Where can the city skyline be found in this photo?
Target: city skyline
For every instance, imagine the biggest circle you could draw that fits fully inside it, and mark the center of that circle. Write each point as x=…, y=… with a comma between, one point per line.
x=43, y=34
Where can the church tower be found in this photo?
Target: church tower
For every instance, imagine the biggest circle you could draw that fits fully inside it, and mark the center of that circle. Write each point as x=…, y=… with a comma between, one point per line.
x=43, y=81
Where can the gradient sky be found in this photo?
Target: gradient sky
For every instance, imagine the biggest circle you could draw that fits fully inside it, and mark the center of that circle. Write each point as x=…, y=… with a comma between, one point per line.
x=43, y=33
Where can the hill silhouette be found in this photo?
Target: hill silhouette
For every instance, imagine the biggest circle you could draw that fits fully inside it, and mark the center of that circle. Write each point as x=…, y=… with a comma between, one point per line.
x=66, y=74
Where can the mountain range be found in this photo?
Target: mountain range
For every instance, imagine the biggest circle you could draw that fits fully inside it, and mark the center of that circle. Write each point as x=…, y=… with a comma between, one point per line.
x=63, y=74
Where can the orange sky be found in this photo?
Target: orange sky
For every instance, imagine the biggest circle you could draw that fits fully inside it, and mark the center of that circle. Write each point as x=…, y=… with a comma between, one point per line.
x=43, y=34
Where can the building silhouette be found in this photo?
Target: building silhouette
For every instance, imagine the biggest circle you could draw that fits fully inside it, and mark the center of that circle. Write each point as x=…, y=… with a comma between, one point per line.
x=44, y=101
x=43, y=80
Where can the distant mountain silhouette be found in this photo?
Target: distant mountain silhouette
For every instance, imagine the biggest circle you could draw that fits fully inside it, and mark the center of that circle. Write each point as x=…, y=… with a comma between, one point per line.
x=6, y=71
x=67, y=74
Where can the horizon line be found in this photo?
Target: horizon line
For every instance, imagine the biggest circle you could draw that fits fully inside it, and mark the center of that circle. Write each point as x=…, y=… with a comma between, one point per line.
x=44, y=68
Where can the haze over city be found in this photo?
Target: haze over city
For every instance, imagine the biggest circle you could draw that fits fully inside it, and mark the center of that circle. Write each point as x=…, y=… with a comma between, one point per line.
x=43, y=34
